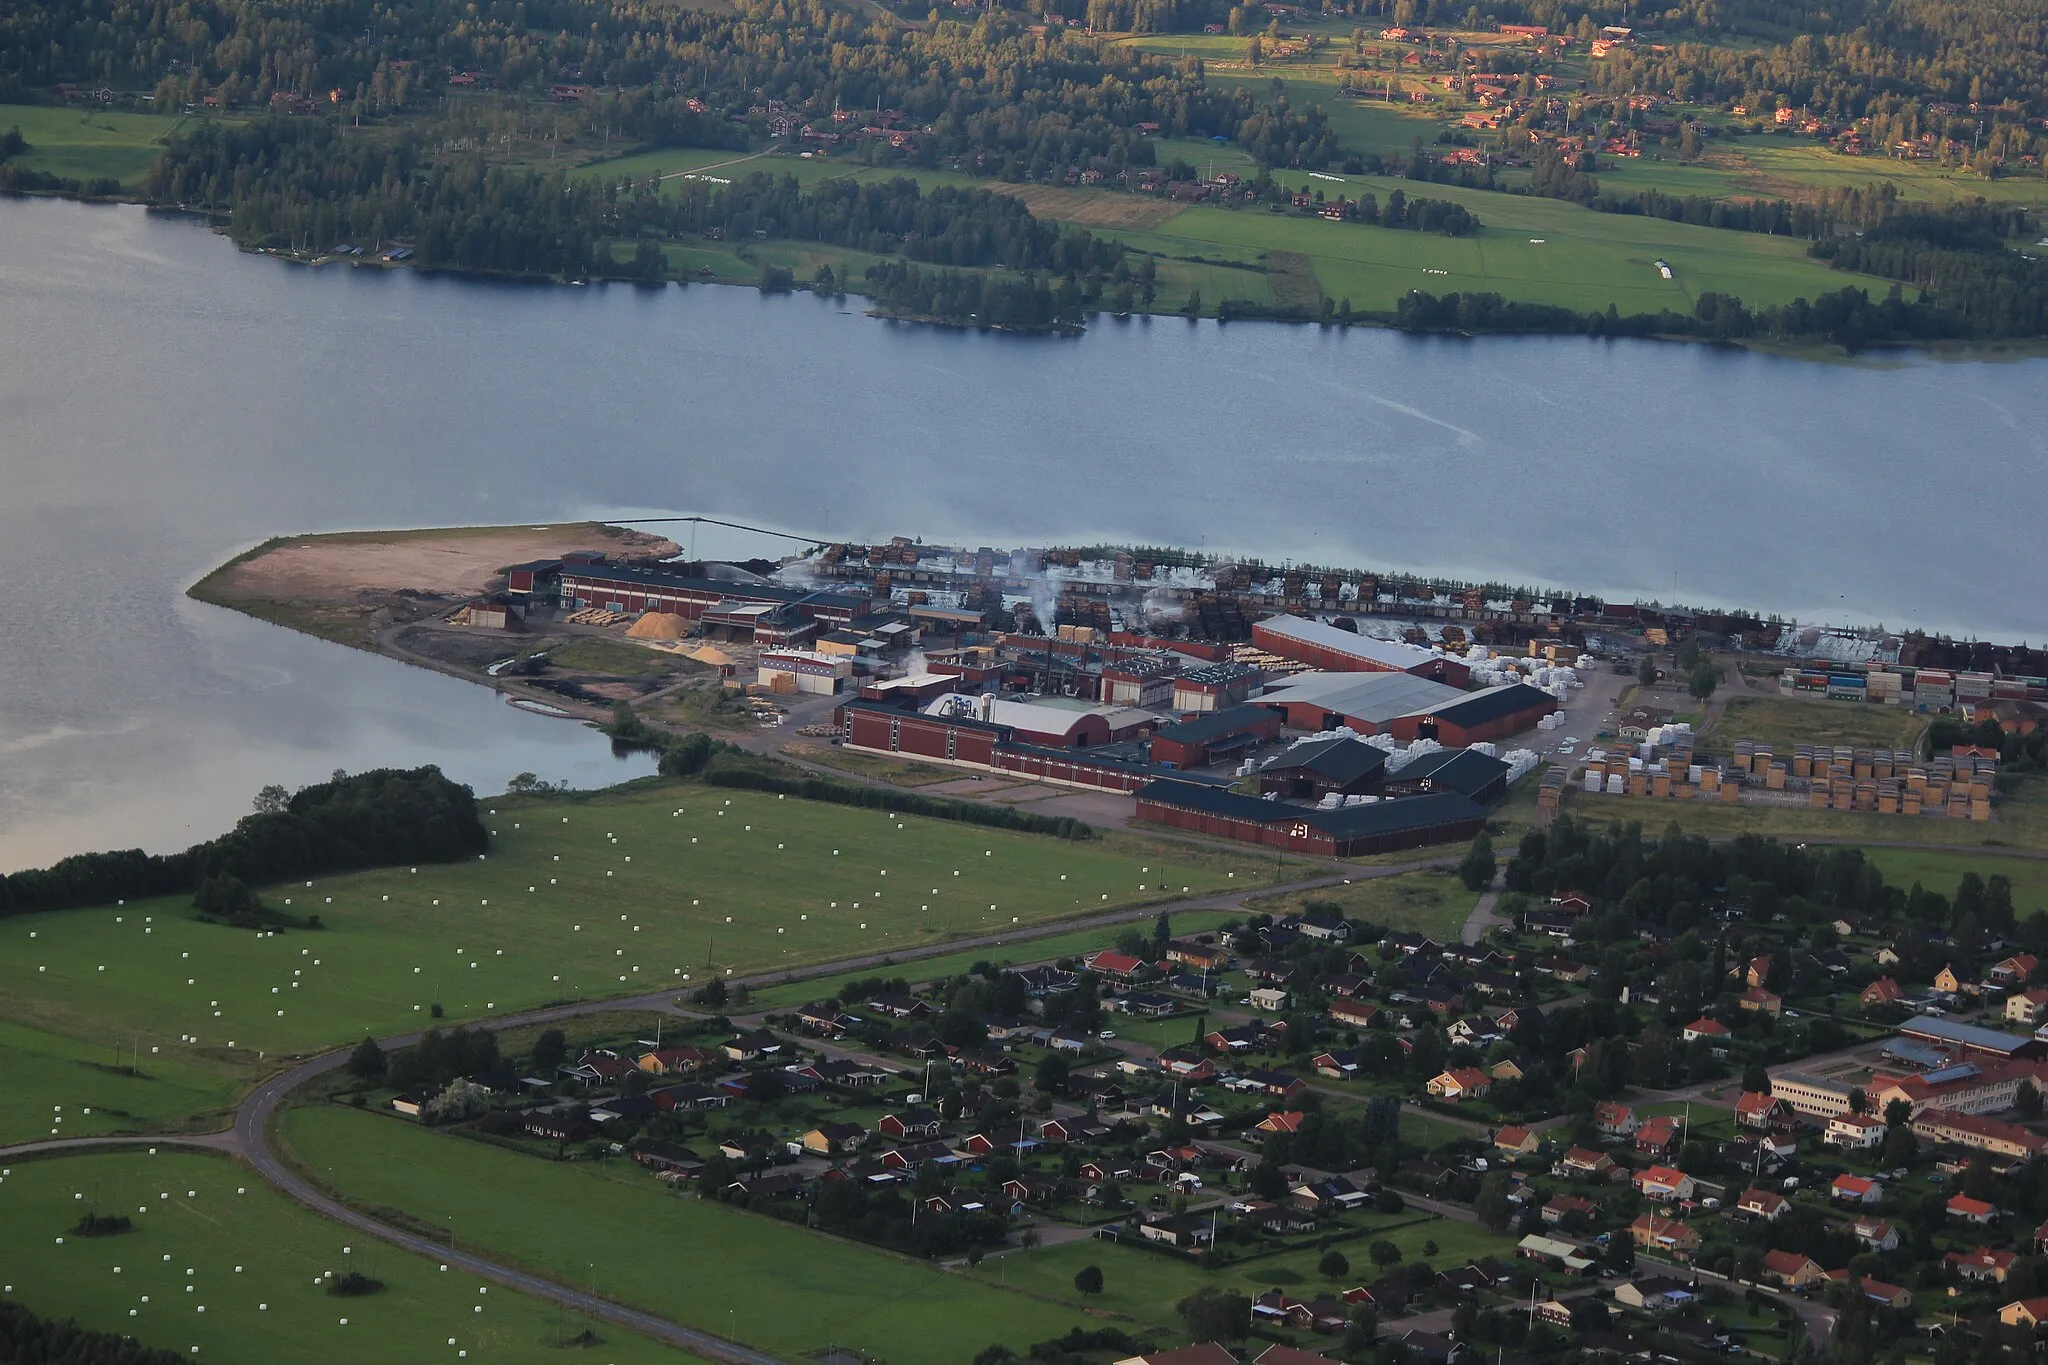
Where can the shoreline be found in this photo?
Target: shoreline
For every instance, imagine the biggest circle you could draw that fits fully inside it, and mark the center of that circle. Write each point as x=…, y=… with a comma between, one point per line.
x=1880, y=354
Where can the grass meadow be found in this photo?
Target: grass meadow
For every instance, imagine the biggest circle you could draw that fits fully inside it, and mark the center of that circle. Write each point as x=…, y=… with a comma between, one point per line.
x=1434, y=902
x=615, y=894
x=87, y=144
x=1785, y=722
x=696, y=1262
x=221, y=1268
x=1942, y=872
x=63, y=1087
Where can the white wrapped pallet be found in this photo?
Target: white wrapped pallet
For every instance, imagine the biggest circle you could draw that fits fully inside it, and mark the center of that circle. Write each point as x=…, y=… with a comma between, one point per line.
x=1593, y=782
x=1484, y=747
x=1692, y=773
x=1635, y=765
x=1617, y=785
x=1520, y=763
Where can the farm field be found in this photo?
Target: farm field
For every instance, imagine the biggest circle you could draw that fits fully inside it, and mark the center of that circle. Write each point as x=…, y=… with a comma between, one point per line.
x=699, y=1263
x=2016, y=826
x=1941, y=872
x=61, y=1087
x=624, y=892
x=1432, y=903
x=218, y=1237
x=87, y=144
x=1784, y=722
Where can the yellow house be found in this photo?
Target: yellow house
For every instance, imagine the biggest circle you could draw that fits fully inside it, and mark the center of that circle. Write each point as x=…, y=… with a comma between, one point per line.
x=1947, y=980
x=2024, y=1313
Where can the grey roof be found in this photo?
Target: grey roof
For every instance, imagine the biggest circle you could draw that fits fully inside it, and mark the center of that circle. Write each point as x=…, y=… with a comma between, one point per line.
x=1216, y=725
x=1969, y=1035
x=1385, y=653
x=1373, y=698
x=1345, y=822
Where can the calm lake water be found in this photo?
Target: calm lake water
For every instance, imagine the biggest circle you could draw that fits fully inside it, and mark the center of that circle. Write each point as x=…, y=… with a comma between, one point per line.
x=166, y=402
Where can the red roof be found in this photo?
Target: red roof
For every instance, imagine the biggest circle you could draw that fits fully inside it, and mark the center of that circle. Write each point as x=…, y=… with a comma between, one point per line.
x=1883, y=991
x=1109, y=960
x=1669, y=1176
x=1968, y=1207
x=1788, y=1263
x=1853, y=1184
x=1712, y=1028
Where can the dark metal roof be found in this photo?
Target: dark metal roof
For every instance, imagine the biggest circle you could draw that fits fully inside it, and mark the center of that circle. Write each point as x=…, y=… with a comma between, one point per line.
x=743, y=592
x=1345, y=822
x=1341, y=758
x=1216, y=724
x=1464, y=771
x=1491, y=703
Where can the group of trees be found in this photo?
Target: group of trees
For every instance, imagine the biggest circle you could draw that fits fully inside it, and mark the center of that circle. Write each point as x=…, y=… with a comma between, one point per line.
x=371, y=819
x=26, y=1337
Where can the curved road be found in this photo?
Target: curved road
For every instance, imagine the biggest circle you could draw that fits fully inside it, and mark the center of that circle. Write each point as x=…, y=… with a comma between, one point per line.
x=249, y=1138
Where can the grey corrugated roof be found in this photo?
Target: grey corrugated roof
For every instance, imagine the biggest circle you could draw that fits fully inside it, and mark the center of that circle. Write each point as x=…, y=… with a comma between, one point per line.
x=1339, y=758
x=1490, y=703
x=1345, y=822
x=1373, y=698
x=1463, y=771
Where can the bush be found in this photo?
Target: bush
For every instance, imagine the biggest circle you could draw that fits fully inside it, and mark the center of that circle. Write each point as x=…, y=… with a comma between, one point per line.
x=722, y=773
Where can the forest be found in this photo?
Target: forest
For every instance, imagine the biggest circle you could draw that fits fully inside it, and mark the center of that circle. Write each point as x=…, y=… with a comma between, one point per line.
x=26, y=1337
x=370, y=819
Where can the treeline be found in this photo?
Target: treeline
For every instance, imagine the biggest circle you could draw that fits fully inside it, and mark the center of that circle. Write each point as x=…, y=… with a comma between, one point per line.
x=730, y=773
x=26, y=1338
x=1849, y=318
x=371, y=819
x=1975, y=287
x=943, y=226
x=1030, y=304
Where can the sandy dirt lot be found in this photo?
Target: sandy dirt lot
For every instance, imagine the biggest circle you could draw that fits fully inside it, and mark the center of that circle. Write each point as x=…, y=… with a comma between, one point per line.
x=459, y=562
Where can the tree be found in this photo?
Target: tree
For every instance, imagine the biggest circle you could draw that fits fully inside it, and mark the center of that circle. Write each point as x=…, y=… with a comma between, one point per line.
x=1162, y=930
x=1703, y=681
x=1088, y=1279
x=1051, y=1075
x=2026, y=1101
x=1492, y=1204
x=1384, y=1254
x=1646, y=671
x=272, y=800
x=367, y=1061
x=1334, y=1265
x=1215, y=1314
x=1477, y=867
x=1898, y=1114
x=550, y=1050
x=1900, y=1147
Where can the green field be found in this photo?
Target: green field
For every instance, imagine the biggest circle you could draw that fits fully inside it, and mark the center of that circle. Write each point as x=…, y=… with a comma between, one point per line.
x=1784, y=722
x=580, y=898
x=218, y=1237
x=1942, y=871
x=87, y=144
x=107, y=1088
x=771, y=1284
x=1434, y=903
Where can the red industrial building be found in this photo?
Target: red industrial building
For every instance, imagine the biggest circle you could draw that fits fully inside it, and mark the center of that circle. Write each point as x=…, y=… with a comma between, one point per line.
x=963, y=739
x=584, y=579
x=1315, y=768
x=1214, y=736
x=1488, y=714
x=1342, y=651
x=1346, y=832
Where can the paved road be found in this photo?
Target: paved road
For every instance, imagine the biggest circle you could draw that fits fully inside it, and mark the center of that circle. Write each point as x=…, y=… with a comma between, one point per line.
x=250, y=1137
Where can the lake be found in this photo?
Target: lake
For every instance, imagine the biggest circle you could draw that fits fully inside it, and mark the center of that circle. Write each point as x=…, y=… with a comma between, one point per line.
x=169, y=401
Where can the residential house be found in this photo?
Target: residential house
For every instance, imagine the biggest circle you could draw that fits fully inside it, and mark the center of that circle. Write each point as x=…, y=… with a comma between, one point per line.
x=1461, y=1083
x=1654, y=1232
x=1188, y=1231
x=831, y=1138
x=1762, y=1204
x=1856, y=1189
x=1582, y=1161
x=1883, y=991
x=1325, y=925
x=1877, y=1291
x=1337, y=1066
x=1271, y=999
x=1948, y=982
x=1658, y=1137
x=752, y=1047
x=1281, y=1121
x=1208, y=1353
x=1758, y=970
x=2030, y=1313
x=1757, y=1109
x=1323, y=1196
x=1615, y=1120
x=595, y=1068
x=1983, y=1264
x=1763, y=1001
x=1875, y=1233
x=2027, y=1007
x=898, y=1006
x=1355, y=1013
x=2013, y=972
x=672, y=1061
x=1971, y=1210
x=1115, y=965
x=1564, y=1206
x=1506, y=1069
x=1855, y=1132
x=1516, y=1141
x=1203, y=957
x=911, y=1123
x=1653, y=1293
x=1792, y=1269
x=1277, y=1085
x=1563, y=969
x=1977, y=1132
x=1664, y=1184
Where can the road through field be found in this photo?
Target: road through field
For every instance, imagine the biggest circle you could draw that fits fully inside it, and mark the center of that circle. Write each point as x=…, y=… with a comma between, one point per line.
x=250, y=1138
